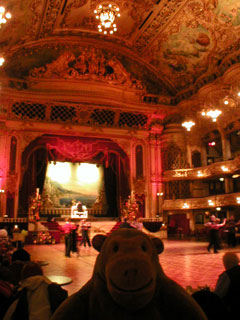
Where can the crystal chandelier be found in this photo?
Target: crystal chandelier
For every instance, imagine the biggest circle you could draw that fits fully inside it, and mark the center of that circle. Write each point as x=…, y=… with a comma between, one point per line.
x=107, y=13
x=188, y=125
x=213, y=114
x=3, y=19
x=4, y=16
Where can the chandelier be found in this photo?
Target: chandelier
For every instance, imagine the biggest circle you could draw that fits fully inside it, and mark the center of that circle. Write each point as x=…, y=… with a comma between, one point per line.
x=188, y=125
x=107, y=13
x=4, y=16
x=213, y=114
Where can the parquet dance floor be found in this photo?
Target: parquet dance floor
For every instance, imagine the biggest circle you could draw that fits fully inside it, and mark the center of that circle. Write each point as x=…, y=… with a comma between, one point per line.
x=187, y=262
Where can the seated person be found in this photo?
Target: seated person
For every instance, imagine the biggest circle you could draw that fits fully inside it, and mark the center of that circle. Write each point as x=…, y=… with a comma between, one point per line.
x=38, y=296
x=211, y=304
x=79, y=207
x=228, y=283
x=20, y=254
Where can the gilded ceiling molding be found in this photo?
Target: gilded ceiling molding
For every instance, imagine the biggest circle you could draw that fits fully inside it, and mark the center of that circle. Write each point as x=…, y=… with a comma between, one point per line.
x=87, y=66
x=51, y=13
x=76, y=4
x=168, y=9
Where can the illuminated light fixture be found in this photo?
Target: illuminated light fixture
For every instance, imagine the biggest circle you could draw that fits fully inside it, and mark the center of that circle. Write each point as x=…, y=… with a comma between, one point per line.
x=210, y=203
x=106, y=13
x=211, y=144
x=4, y=16
x=238, y=93
x=225, y=169
x=218, y=208
x=238, y=200
x=226, y=102
x=188, y=125
x=236, y=176
x=1, y=61
x=221, y=179
x=214, y=114
x=2, y=191
x=185, y=206
x=199, y=174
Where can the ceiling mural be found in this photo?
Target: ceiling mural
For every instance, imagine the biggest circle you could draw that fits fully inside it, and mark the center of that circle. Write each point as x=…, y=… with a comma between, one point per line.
x=170, y=46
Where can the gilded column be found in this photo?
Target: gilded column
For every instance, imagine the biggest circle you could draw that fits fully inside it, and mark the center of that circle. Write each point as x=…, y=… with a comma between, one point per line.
x=156, y=170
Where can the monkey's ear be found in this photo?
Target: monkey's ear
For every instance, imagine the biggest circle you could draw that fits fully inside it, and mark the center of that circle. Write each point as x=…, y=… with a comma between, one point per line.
x=158, y=244
x=98, y=241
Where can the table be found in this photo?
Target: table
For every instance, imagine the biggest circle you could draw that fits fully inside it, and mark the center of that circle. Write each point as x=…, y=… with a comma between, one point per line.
x=61, y=280
x=42, y=263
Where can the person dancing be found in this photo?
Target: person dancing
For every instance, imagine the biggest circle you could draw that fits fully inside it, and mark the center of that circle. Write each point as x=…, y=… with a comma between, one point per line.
x=214, y=227
x=67, y=228
x=85, y=226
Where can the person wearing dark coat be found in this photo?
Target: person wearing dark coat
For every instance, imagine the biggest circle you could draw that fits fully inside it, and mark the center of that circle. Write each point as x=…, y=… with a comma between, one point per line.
x=228, y=283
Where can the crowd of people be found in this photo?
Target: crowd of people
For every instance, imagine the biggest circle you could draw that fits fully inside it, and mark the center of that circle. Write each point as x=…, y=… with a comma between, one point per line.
x=25, y=293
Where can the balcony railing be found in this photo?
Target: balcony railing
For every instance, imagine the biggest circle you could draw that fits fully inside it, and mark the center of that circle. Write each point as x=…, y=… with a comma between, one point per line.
x=215, y=169
x=223, y=200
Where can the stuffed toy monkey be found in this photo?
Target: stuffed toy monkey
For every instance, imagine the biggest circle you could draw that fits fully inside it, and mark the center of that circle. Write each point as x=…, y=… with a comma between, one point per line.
x=128, y=283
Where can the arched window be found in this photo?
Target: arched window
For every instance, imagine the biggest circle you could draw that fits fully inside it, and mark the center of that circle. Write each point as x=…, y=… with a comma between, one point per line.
x=13, y=153
x=139, y=162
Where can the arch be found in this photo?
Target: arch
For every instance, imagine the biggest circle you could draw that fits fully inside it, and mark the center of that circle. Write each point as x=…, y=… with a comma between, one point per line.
x=103, y=152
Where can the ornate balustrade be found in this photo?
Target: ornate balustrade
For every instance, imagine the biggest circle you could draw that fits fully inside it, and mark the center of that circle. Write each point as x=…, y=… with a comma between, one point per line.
x=202, y=203
x=14, y=220
x=58, y=212
x=215, y=169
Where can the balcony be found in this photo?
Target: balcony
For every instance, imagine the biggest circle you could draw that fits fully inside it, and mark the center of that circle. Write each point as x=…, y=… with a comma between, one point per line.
x=223, y=200
x=215, y=169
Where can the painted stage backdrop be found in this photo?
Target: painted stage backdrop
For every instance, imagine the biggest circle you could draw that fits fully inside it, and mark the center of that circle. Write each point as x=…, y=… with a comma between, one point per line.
x=67, y=182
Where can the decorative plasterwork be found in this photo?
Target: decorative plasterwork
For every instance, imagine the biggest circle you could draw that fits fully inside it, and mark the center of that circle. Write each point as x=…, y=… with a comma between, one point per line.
x=139, y=186
x=187, y=43
x=88, y=65
x=168, y=9
x=11, y=185
x=51, y=13
x=27, y=138
x=202, y=203
x=215, y=169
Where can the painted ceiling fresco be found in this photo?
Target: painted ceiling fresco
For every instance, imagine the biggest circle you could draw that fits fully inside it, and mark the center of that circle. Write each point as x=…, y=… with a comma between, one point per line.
x=169, y=46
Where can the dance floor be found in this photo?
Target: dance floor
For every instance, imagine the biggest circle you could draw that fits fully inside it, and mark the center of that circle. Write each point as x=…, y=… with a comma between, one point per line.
x=187, y=262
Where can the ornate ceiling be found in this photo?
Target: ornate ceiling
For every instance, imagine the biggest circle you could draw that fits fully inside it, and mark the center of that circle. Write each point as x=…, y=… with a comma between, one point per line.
x=169, y=48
